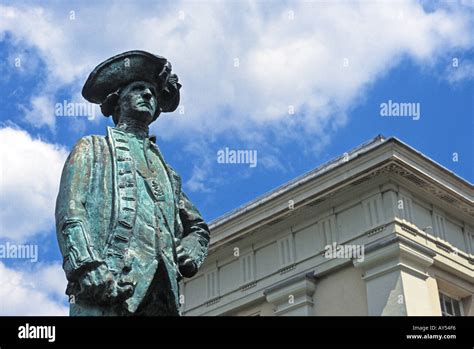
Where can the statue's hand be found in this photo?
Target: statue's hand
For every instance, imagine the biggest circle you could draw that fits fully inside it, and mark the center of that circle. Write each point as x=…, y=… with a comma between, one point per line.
x=95, y=283
x=187, y=266
x=98, y=285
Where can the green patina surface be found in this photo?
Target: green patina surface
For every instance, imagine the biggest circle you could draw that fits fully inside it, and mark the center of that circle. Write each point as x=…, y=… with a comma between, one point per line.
x=125, y=228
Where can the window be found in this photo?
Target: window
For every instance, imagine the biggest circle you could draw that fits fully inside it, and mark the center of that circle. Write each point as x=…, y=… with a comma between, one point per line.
x=450, y=306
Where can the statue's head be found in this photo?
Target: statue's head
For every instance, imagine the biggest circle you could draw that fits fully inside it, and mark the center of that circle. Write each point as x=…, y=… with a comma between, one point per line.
x=136, y=100
x=134, y=84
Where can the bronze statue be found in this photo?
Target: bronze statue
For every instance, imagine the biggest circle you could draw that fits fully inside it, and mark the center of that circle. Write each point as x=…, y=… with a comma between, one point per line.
x=126, y=230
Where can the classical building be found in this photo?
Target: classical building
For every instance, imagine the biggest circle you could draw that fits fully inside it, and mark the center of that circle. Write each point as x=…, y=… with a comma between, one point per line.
x=381, y=230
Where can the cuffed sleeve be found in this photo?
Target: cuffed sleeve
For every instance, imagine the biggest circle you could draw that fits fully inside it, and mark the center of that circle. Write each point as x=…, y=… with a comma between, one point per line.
x=72, y=225
x=196, y=233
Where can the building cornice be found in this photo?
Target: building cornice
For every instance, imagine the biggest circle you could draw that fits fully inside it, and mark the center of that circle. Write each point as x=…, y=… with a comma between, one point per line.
x=380, y=157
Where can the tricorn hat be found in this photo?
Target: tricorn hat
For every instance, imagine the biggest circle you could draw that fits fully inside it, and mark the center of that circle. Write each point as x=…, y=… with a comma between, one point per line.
x=118, y=71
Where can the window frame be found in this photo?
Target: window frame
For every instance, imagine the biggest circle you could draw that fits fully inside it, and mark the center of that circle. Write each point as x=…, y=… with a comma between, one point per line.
x=443, y=297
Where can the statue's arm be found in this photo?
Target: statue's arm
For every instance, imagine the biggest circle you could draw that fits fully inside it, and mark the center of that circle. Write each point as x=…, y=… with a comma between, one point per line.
x=196, y=233
x=72, y=227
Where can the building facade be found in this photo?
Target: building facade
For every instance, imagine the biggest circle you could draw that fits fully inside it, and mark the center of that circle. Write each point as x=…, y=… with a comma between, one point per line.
x=381, y=230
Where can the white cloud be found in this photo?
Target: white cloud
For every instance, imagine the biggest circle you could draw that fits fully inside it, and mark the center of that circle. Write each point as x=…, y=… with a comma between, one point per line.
x=282, y=61
x=37, y=292
x=198, y=179
x=29, y=182
x=40, y=112
x=316, y=58
x=39, y=28
x=464, y=71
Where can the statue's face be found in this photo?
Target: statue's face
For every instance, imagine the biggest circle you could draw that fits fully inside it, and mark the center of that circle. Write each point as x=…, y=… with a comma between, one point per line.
x=138, y=100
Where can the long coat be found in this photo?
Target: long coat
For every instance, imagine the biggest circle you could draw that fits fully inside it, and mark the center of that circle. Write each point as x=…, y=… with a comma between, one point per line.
x=96, y=217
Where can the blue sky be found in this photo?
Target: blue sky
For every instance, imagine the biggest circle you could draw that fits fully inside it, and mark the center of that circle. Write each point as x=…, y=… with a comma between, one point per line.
x=243, y=67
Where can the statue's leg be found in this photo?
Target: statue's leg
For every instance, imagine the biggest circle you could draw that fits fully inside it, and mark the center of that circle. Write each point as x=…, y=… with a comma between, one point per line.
x=85, y=309
x=159, y=299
